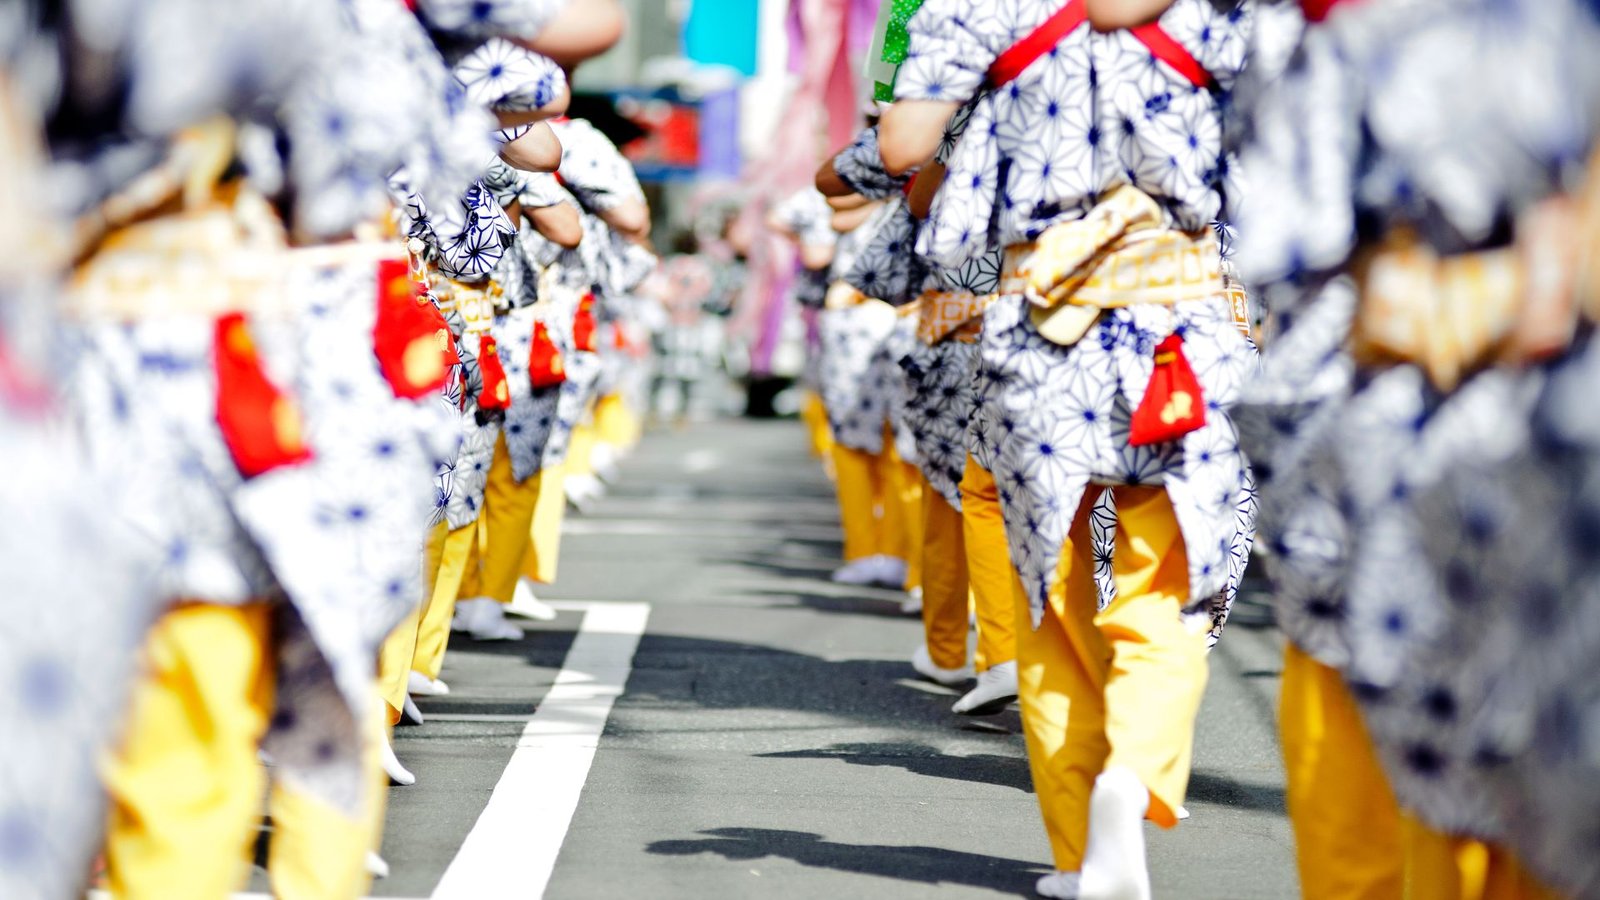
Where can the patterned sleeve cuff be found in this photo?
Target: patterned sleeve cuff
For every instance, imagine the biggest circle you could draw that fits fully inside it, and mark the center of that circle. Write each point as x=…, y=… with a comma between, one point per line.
x=945, y=59
x=860, y=166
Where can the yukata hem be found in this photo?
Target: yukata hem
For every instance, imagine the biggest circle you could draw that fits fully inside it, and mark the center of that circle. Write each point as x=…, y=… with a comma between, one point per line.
x=1042, y=386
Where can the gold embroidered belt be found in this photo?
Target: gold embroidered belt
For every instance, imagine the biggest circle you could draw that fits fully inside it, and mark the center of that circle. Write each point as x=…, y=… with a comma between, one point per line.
x=951, y=314
x=1454, y=315
x=1120, y=254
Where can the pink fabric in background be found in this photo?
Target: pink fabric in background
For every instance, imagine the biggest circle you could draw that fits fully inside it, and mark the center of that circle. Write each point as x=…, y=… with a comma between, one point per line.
x=827, y=41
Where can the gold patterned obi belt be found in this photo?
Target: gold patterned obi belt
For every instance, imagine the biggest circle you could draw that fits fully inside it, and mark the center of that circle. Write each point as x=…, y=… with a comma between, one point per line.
x=1120, y=254
x=476, y=301
x=1454, y=315
x=954, y=315
x=226, y=256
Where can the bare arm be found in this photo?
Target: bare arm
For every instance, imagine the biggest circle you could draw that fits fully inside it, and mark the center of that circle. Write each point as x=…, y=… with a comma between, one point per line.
x=560, y=223
x=924, y=189
x=583, y=29
x=846, y=202
x=851, y=219
x=630, y=217
x=829, y=182
x=1110, y=15
x=910, y=131
x=536, y=151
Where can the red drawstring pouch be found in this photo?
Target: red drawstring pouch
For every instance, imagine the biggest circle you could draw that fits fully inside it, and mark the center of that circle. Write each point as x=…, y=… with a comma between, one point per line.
x=545, y=366
x=405, y=336
x=261, y=426
x=1173, y=403
x=583, y=325
x=496, y=393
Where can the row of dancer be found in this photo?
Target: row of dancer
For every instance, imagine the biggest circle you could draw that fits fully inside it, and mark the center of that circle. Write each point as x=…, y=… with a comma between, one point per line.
x=1055, y=192
x=304, y=339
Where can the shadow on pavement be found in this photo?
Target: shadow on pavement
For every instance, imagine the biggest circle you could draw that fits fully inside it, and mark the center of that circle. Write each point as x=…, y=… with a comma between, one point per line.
x=1209, y=787
x=921, y=759
x=926, y=865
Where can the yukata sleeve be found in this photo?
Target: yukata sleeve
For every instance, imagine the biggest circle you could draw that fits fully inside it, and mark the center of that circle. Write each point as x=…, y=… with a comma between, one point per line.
x=807, y=215
x=507, y=77
x=541, y=190
x=860, y=166
x=952, y=44
x=487, y=18
x=594, y=169
x=504, y=183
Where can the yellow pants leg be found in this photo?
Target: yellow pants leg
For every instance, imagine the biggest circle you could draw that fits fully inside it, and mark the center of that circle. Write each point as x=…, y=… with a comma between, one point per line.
x=508, y=525
x=318, y=852
x=614, y=422
x=944, y=584
x=1155, y=661
x=858, y=486
x=448, y=555
x=902, y=518
x=819, y=435
x=989, y=569
x=1347, y=824
x=184, y=782
x=1442, y=867
x=580, y=450
x=544, y=541
x=396, y=655
x=1117, y=688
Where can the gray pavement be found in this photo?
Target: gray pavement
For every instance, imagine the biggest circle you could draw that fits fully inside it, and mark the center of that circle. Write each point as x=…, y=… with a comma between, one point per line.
x=770, y=740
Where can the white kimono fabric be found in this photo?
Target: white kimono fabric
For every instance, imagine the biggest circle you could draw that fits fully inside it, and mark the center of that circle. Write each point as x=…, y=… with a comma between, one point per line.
x=1060, y=416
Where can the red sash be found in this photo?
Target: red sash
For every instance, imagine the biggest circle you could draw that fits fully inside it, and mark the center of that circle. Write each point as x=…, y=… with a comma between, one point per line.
x=260, y=425
x=1173, y=403
x=583, y=325
x=545, y=366
x=1052, y=31
x=496, y=393
x=405, y=336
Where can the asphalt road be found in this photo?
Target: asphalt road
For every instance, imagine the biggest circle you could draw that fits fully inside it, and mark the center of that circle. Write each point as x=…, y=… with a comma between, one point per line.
x=770, y=740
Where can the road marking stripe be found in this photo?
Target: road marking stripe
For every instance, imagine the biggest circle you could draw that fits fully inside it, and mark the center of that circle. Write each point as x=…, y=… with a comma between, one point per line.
x=514, y=845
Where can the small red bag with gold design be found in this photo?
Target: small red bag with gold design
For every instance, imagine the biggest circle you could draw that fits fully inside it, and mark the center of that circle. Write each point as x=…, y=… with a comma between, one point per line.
x=1173, y=403
x=545, y=366
x=583, y=325
x=260, y=424
x=406, y=335
x=496, y=394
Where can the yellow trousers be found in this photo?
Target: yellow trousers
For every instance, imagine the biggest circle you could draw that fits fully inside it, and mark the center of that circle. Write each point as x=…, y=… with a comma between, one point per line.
x=549, y=511
x=1347, y=825
x=1441, y=867
x=506, y=524
x=185, y=784
x=1115, y=688
x=1352, y=840
x=819, y=435
x=880, y=506
x=615, y=423
x=447, y=556
x=903, y=517
x=989, y=572
x=944, y=584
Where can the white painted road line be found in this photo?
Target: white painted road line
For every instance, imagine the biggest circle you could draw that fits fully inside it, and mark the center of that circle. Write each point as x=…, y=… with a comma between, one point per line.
x=512, y=850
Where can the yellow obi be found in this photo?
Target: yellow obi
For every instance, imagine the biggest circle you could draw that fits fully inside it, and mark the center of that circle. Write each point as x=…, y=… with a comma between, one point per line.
x=947, y=313
x=1120, y=254
x=475, y=301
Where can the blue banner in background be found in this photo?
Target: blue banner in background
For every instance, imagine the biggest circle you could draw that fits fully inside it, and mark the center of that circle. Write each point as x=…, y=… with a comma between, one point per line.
x=719, y=135
x=723, y=32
